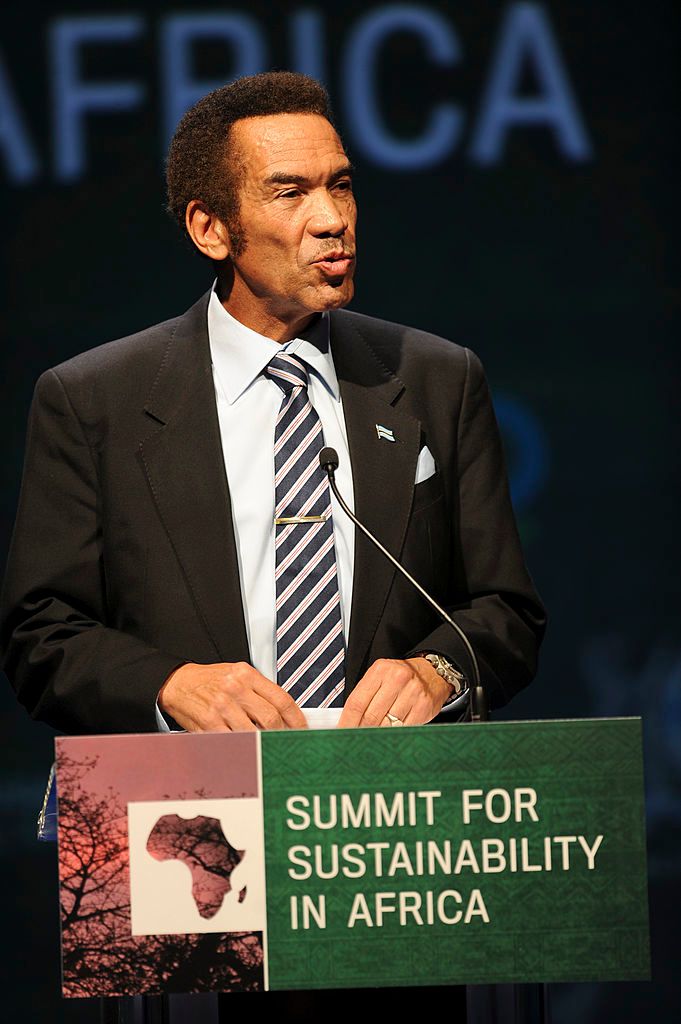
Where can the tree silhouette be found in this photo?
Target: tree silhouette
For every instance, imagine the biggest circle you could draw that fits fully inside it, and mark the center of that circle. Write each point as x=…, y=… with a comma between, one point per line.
x=99, y=953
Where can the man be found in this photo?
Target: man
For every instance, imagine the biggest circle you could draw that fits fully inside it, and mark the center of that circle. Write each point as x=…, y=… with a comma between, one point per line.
x=176, y=547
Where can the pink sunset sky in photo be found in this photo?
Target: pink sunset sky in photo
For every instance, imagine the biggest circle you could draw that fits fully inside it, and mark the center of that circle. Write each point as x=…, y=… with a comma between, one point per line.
x=155, y=766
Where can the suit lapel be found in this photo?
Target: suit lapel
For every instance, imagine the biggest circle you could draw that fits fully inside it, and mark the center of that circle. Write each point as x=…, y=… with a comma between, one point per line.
x=383, y=474
x=184, y=465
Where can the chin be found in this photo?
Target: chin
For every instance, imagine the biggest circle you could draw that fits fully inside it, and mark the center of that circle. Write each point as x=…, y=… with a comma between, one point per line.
x=336, y=296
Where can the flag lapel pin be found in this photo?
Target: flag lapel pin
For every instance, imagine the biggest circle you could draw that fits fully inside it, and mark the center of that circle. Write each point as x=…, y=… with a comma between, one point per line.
x=384, y=433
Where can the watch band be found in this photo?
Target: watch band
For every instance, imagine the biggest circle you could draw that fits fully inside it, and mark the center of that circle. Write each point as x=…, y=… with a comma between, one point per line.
x=447, y=671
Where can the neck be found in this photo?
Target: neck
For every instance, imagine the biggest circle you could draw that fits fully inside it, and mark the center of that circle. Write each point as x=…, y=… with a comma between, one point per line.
x=256, y=316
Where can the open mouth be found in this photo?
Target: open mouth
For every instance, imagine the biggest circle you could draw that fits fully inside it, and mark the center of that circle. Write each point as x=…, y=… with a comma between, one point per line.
x=335, y=263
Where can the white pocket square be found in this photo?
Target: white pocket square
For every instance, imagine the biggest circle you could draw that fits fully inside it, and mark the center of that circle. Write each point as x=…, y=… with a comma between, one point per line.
x=425, y=467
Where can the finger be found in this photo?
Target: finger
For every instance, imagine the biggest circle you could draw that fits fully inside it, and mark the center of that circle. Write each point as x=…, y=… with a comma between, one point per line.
x=391, y=721
x=291, y=715
x=263, y=713
x=380, y=704
x=200, y=722
x=199, y=718
x=412, y=708
x=359, y=699
x=397, y=686
x=234, y=715
x=194, y=713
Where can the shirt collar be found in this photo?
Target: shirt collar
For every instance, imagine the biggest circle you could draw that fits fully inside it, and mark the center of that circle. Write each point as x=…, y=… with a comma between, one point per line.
x=239, y=355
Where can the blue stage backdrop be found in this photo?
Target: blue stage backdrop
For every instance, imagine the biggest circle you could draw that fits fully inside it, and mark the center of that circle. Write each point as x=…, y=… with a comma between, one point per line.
x=517, y=177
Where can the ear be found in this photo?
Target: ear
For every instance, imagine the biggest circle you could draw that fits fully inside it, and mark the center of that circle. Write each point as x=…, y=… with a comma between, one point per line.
x=207, y=231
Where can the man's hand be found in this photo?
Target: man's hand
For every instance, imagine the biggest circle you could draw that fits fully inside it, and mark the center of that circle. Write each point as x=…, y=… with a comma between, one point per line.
x=411, y=691
x=227, y=697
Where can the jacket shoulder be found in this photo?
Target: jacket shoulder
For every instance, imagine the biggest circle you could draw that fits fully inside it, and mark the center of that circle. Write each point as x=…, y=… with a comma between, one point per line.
x=402, y=348
x=123, y=355
x=126, y=369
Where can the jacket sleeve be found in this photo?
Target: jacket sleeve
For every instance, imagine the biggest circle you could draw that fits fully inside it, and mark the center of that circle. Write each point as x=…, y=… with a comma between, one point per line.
x=68, y=667
x=494, y=601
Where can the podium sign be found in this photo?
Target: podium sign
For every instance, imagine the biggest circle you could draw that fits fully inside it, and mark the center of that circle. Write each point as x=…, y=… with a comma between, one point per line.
x=503, y=852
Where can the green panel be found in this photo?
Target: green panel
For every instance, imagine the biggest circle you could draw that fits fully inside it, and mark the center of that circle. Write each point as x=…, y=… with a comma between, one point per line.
x=557, y=925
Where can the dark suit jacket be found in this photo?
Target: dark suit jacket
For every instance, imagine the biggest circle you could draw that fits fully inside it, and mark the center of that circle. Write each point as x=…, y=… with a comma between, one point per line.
x=123, y=563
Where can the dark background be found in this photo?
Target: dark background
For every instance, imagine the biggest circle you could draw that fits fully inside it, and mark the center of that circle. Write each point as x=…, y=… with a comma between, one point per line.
x=556, y=262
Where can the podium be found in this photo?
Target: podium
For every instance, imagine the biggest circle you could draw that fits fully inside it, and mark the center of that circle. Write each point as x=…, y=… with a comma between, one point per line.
x=503, y=855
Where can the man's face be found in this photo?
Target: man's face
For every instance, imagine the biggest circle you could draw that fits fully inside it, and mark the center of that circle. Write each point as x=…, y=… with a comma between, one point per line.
x=297, y=217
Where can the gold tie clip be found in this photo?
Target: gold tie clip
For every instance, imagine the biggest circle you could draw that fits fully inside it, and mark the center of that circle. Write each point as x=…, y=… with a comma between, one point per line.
x=292, y=520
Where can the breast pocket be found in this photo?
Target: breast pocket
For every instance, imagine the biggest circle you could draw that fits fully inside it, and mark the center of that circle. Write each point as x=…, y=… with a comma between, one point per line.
x=427, y=492
x=426, y=549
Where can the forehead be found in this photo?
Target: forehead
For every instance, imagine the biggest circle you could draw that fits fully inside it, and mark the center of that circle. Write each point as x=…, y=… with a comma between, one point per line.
x=299, y=143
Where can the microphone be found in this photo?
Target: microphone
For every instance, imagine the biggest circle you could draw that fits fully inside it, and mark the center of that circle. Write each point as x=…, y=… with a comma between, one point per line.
x=328, y=460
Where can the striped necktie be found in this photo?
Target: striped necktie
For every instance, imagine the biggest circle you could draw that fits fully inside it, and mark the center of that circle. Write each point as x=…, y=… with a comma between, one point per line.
x=310, y=643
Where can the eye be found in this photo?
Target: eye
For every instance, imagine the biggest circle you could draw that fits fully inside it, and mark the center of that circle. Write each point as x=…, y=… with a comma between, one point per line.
x=290, y=193
x=343, y=186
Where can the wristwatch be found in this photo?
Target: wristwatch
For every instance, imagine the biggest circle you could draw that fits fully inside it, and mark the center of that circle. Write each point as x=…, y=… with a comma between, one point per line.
x=448, y=672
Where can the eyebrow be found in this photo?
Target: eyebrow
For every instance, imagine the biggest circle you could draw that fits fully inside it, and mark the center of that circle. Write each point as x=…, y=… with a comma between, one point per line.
x=286, y=178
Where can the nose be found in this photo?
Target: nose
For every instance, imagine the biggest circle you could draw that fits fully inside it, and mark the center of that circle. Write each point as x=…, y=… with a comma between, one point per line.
x=328, y=216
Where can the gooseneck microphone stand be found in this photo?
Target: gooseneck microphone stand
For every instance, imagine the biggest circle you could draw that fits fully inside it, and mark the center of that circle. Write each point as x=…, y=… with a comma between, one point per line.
x=487, y=1004
x=328, y=459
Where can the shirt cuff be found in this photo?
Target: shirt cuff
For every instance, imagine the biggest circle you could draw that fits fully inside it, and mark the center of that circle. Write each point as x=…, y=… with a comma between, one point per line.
x=165, y=723
x=457, y=703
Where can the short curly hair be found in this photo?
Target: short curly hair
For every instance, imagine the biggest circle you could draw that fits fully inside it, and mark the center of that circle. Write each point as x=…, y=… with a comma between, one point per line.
x=200, y=164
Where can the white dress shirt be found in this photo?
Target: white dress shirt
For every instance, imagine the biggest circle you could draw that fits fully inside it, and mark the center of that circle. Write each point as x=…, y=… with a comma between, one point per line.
x=248, y=404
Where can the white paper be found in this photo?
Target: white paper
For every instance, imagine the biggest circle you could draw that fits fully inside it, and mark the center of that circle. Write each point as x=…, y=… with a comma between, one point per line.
x=322, y=718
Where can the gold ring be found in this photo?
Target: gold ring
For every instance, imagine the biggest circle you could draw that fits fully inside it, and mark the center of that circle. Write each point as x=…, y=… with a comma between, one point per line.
x=394, y=720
